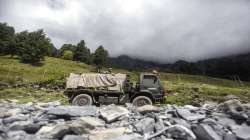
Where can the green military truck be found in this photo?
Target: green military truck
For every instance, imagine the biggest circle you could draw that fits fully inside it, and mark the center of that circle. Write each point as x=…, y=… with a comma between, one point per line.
x=96, y=88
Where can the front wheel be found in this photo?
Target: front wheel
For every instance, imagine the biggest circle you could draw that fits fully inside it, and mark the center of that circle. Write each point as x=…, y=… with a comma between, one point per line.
x=82, y=100
x=142, y=100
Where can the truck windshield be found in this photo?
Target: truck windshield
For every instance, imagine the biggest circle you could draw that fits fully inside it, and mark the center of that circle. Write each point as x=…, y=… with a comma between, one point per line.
x=150, y=81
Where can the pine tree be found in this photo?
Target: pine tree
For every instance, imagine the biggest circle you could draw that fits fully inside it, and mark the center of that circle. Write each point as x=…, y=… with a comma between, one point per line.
x=82, y=53
x=100, y=57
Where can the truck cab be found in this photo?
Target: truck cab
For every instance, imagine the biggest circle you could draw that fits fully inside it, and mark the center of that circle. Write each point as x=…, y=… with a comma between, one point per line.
x=149, y=90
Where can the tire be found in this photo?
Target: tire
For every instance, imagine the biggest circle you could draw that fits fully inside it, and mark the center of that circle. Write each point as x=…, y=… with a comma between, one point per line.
x=142, y=100
x=82, y=100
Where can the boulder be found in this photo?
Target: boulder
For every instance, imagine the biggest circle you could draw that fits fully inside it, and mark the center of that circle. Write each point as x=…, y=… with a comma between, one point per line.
x=95, y=122
x=72, y=111
x=147, y=109
x=57, y=131
x=4, y=113
x=234, y=108
x=17, y=135
x=205, y=132
x=107, y=133
x=14, y=118
x=190, y=116
x=181, y=122
x=133, y=136
x=49, y=104
x=242, y=132
x=145, y=126
x=180, y=132
x=229, y=137
x=112, y=113
x=21, y=135
x=74, y=137
x=83, y=125
x=159, y=125
x=14, y=111
x=26, y=126
x=190, y=107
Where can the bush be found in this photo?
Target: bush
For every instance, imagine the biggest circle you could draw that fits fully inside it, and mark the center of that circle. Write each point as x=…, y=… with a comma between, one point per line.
x=32, y=46
x=67, y=55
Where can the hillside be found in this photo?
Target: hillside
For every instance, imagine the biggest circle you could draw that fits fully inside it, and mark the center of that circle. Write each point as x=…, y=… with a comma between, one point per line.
x=230, y=67
x=42, y=83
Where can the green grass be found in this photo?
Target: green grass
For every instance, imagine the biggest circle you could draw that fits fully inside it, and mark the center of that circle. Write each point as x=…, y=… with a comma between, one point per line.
x=12, y=71
x=182, y=88
x=25, y=95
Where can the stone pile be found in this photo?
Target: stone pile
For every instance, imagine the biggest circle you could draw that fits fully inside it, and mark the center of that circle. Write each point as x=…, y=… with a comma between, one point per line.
x=50, y=121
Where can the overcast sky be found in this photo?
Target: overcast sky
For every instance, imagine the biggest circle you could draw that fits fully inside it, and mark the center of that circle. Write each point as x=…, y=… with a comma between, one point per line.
x=158, y=30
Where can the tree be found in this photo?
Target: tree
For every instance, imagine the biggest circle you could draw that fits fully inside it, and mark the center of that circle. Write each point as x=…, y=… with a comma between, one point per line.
x=52, y=51
x=67, y=55
x=7, y=39
x=32, y=46
x=82, y=53
x=100, y=57
x=65, y=47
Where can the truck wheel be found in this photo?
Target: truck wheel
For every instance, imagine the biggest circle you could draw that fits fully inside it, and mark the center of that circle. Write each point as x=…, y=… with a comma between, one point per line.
x=142, y=100
x=82, y=100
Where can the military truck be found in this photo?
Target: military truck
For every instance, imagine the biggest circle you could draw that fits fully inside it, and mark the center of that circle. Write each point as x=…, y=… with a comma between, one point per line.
x=96, y=88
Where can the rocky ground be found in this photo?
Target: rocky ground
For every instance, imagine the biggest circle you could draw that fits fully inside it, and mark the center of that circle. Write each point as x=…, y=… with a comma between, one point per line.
x=44, y=121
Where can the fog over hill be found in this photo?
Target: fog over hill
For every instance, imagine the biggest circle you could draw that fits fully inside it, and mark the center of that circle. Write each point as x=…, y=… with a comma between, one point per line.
x=163, y=31
x=235, y=67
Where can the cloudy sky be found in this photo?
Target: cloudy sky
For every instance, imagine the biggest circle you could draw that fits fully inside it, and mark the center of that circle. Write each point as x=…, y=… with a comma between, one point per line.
x=158, y=30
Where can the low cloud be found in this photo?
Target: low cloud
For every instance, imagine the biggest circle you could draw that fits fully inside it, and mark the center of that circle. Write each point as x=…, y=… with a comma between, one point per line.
x=160, y=30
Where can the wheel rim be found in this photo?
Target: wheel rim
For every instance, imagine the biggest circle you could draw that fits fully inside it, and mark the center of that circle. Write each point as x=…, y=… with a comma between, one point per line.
x=141, y=102
x=81, y=101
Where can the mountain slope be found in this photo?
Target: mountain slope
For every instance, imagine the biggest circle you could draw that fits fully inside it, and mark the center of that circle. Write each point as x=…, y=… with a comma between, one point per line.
x=230, y=67
x=182, y=88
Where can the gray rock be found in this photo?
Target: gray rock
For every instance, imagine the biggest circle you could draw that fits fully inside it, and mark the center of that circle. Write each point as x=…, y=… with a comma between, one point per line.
x=81, y=126
x=26, y=126
x=128, y=137
x=92, y=121
x=233, y=108
x=57, y=131
x=74, y=137
x=49, y=104
x=181, y=122
x=72, y=111
x=112, y=112
x=242, y=133
x=180, y=132
x=14, y=118
x=190, y=116
x=159, y=126
x=145, y=126
x=205, y=132
x=147, y=109
x=226, y=122
x=229, y=137
x=4, y=112
x=21, y=135
x=17, y=135
x=107, y=133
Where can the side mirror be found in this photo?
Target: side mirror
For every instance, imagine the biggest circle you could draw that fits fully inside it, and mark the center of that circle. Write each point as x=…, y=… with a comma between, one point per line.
x=155, y=80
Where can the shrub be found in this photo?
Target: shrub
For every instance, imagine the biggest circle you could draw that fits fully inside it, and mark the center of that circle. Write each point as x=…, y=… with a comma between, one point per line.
x=67, y=55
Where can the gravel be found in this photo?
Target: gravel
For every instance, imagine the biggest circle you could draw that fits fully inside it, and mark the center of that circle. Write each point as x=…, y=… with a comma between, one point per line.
x=51, y=121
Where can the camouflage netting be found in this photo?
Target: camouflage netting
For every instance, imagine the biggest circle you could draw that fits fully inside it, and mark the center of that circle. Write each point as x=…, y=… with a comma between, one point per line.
x=95, y=80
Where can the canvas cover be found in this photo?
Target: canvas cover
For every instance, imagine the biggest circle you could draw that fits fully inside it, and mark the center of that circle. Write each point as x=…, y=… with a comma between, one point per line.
x=95, y=80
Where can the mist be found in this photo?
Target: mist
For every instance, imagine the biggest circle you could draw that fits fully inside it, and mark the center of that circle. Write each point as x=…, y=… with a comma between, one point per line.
x=161, y=30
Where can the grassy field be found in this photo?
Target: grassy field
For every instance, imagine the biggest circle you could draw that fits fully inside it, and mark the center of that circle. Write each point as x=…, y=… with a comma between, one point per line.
x=182, y=88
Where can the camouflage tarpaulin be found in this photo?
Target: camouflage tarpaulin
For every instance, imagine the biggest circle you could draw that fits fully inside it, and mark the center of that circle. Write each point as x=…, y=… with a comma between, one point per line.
x=112, y=81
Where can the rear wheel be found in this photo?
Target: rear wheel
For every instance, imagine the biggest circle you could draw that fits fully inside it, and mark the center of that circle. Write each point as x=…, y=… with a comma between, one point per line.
x=142, y=100
x=82, y=100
